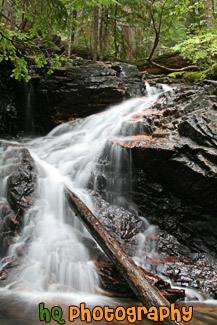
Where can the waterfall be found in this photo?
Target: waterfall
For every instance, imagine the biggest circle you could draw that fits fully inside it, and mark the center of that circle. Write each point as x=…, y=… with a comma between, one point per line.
x=55, y=258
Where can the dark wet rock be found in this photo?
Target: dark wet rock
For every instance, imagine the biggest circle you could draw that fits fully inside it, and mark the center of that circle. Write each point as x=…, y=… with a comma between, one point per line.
x=175, y=173
x=21, y=184
x=86, y=88
x=173, y=184
x=75, y=91
x=170, y=259
x=124, y=227
x=18, y=185
x=185, y=220
x=130, y=77
x=183, y=267
x=122, y=224
x=8, y=226
x=11, y=108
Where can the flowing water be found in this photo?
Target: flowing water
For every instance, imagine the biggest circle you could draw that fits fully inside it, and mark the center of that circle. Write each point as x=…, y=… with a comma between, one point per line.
x=57, y=266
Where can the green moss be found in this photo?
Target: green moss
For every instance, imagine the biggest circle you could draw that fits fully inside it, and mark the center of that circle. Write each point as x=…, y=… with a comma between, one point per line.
x=196, y=77
x=212, y=71
x=177, y=75
x=139, y=63
x=192, y=77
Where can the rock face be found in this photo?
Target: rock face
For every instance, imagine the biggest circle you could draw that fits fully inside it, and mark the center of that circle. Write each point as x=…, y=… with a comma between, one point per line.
x=171, y=259
x=11, y=108
x=174, y=183
x=71, y=92
x=175, y=173
x=86, y=88
x=17, y=187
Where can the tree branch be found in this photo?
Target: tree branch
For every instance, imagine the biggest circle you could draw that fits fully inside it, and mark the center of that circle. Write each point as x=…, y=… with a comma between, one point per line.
x=157, y=31
x=191, y=67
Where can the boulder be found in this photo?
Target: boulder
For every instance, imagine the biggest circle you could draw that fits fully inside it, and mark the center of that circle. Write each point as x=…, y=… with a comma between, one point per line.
x=18, y=184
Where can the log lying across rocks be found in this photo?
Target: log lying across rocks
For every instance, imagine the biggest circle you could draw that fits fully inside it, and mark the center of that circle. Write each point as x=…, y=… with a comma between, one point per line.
x=147, y=293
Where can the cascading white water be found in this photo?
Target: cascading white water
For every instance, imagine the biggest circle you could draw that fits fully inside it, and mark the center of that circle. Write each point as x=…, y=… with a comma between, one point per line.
x=56, y=259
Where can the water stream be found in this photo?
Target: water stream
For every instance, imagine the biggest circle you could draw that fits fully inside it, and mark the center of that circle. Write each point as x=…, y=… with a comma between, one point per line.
x=57, y=266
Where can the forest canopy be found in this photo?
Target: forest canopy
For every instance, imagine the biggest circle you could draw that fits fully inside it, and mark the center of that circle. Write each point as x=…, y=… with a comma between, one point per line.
x=53, y=32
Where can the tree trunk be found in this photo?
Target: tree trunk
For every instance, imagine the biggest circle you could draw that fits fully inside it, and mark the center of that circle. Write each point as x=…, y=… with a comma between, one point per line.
x=146, y=292
x=26, y=24
x=70, y=34
x=128, y=42
x=207, y=14
x=95, y=33
x=2, y=9
x=128, y=36
x=103, y=33
x=75, y=15
x=13, y=15
x=115, y=31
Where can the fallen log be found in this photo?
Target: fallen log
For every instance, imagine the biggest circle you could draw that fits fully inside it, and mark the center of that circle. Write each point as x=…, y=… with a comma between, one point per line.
x=146, y=293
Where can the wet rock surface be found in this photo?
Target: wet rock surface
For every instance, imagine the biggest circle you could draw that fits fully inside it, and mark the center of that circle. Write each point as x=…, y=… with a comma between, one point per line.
x=84, y=89
x=125, y=227
x=11, y=108
x=71, y=92
x=17, y=190
x=173, y=183
x=122, y=224
x=175, y=175
x=171, y=259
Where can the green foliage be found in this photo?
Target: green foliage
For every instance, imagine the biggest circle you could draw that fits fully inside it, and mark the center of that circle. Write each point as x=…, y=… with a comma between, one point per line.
x=46, y=16
x=201, y=50
x=78, y=4
x=185, y=6
x=17, y=46
x=196, y=12
x=20, y=42
x=9, y=51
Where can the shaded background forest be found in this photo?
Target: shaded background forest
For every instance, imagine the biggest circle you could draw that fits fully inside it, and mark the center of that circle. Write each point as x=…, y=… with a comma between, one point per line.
x=51, y=31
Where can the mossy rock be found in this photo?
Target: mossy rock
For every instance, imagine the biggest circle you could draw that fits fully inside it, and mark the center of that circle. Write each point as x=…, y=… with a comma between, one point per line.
x=212, y=72
x=197, y=76
x=192, y=77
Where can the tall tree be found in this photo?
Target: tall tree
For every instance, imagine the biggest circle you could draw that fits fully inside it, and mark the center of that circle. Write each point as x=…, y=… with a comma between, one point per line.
x=95, y=32
x=103, y=31
x=128, y=34
x=207, y=12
